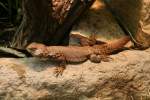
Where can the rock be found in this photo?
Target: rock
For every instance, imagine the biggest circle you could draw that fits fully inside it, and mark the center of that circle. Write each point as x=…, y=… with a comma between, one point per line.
x=98, y=20
x=109, y=20
x=135, y=15
x=125, y=77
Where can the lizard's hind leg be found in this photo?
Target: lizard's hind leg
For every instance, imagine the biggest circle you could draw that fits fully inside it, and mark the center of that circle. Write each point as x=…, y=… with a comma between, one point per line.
x=87, y=41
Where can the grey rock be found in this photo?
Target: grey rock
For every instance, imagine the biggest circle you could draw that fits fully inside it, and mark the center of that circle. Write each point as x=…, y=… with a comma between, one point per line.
x=125, y=77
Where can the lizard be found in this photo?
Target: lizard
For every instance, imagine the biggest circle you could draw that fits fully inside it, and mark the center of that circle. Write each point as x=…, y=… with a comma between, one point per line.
x=77, y=54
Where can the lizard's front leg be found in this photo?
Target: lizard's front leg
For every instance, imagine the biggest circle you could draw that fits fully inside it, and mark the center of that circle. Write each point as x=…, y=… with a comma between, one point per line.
x=60, y=69
x=62, y=63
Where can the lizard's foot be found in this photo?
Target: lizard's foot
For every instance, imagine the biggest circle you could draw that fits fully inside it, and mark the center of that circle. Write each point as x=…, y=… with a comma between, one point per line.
x=59, y=71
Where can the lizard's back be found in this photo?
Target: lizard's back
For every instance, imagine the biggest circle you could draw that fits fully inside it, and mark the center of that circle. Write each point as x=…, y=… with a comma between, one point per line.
x=71, y=53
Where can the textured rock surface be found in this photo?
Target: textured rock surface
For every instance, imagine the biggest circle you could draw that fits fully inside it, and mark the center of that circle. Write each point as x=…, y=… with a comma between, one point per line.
x=135, y=15
x=125, y=77
x=100, y=21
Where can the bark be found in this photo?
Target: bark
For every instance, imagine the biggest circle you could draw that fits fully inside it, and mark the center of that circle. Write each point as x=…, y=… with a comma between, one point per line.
x=48, y=21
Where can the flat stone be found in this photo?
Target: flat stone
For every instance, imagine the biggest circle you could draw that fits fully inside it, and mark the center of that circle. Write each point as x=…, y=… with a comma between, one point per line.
x=125, y=76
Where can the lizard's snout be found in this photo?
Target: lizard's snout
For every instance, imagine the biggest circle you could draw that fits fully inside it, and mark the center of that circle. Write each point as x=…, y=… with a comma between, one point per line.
x=35, y=52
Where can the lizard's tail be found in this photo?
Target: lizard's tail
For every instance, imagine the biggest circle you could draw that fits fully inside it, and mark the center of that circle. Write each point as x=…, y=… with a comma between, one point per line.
x=113, y=46
x=117, y=44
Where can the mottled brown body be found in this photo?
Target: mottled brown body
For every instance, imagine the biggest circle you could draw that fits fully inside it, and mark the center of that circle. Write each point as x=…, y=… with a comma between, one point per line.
x=61, y=53
x=64, y=54
x=70, y=53
x=109, y=48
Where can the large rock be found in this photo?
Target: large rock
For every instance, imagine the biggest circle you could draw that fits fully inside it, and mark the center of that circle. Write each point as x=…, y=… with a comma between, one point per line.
x=125, y=77
x=135, y=15
x=100, y=21
x=103, y=19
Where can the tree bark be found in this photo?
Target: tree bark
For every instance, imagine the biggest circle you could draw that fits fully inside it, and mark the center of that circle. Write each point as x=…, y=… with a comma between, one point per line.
x=48, y=21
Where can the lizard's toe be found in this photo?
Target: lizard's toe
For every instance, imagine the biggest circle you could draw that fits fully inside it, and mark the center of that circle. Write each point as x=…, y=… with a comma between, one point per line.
x=59, y=71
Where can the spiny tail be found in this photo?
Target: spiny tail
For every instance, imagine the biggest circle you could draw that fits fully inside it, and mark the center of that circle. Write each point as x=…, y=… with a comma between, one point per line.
x=117, y=44
x=111, y=47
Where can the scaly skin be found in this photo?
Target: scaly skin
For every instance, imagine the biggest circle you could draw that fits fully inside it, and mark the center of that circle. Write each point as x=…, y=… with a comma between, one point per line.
x=84, y=41
x=64, y=54
x=60, y=53
x=111, y=47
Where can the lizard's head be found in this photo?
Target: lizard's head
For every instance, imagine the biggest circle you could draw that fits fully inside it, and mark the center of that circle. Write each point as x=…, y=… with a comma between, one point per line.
x=37, y=49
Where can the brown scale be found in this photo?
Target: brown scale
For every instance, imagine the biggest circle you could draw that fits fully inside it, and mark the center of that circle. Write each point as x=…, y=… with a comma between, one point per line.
x=76, y=59
x=65, y=54
x=111, y=47
x=71, y=53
